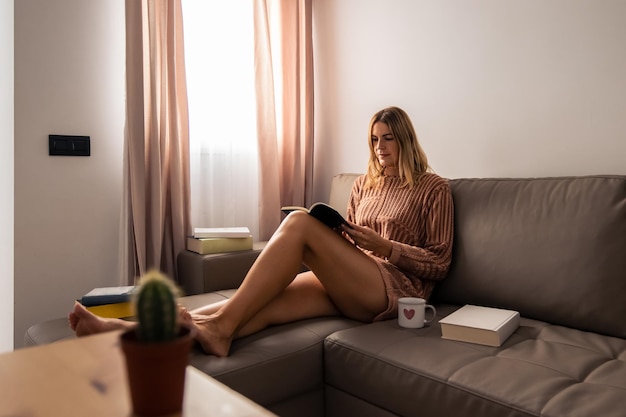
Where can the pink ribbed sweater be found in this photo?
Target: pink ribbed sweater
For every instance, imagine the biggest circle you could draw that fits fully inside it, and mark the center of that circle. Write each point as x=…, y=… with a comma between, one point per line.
x=419, y=221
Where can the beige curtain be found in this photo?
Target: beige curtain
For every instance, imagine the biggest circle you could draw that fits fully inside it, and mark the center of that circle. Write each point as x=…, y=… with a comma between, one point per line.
x=284, y=87
x=155, y=218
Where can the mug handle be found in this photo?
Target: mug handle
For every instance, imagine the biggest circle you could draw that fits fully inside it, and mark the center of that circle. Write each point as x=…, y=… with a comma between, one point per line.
x=426, y=307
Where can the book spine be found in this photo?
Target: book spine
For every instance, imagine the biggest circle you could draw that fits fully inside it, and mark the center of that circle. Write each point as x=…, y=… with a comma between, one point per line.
x=97, y=300
x=219, y=245
x=209, y=235
x=116, y=310
x=470, y=334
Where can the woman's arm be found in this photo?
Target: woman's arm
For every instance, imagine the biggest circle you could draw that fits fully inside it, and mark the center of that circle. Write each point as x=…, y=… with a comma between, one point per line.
x=431, y=259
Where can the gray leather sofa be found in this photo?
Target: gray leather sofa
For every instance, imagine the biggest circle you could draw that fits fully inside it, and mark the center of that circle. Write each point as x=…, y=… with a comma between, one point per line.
x=552, y=248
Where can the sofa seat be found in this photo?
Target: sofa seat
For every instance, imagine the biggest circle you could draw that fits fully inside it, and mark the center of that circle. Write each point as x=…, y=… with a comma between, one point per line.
x=540, y=370
x=280, y=368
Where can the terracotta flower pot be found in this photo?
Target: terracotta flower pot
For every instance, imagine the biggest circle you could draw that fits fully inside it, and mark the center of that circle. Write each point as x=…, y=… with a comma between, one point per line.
x=156, y=373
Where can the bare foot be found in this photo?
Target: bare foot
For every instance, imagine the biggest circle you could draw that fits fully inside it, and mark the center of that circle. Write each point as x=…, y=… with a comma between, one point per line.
x=209, y=335
x=184, y=317
x=84, y=322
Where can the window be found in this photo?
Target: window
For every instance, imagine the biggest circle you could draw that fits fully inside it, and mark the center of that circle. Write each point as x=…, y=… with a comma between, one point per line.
x=219, y=54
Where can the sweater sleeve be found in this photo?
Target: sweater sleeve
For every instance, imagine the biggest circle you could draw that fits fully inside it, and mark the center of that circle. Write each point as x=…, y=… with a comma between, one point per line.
x=432, y=260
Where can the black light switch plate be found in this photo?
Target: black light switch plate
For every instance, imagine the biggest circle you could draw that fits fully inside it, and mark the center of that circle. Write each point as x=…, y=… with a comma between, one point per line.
x=69, y=145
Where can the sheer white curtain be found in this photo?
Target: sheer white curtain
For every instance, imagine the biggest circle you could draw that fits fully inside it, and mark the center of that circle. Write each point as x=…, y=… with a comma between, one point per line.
x=219, y=54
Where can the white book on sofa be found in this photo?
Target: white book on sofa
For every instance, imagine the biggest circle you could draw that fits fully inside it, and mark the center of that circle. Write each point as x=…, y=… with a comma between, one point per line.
x=483, y=325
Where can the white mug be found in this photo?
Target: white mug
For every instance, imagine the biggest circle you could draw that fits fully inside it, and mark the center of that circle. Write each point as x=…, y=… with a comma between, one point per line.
x=412, y=312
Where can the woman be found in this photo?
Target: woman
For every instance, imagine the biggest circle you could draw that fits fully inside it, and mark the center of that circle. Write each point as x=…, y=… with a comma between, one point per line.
x=399, y=245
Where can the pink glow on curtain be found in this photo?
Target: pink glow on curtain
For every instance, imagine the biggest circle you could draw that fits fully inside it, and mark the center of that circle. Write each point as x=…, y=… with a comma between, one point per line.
x=284, y=85
x=156, y=202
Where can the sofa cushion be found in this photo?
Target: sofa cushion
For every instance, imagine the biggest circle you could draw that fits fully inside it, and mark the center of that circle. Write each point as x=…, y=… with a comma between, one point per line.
x=199, y=274
x=553, y=249
x=263, y=366
x=340, y=188
x=278, y=363
x=541, y=369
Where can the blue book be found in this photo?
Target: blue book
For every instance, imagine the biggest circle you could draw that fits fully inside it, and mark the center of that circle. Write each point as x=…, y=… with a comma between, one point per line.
x=107, y=295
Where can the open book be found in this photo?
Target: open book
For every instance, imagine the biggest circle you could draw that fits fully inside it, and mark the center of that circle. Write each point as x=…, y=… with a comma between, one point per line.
x=322, y=212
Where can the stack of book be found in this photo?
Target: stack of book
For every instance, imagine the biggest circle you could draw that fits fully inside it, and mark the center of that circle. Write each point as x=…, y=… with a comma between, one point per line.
x=206, y=240
x=113, y=302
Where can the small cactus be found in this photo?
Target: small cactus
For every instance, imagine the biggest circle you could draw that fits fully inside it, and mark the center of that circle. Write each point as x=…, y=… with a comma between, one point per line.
x=156, y=308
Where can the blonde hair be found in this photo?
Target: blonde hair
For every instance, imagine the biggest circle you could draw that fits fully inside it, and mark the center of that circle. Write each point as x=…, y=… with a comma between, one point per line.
x=412, y=161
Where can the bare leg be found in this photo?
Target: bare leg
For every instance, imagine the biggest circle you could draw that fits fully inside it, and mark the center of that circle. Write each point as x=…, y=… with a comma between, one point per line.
x=271, y=293
x=305, y=297
x=84, y=322
x=268, y=296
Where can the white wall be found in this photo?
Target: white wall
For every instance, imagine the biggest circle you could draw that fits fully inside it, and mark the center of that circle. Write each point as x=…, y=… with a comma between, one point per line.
x=69, y=79
x=6, y=175
x=494, y=88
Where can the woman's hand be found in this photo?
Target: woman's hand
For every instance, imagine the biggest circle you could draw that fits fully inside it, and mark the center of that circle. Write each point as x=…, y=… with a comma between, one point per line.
x=367, y=239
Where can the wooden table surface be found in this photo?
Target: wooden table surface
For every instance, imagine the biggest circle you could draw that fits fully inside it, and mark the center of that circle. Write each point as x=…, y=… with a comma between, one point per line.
x=87, y=377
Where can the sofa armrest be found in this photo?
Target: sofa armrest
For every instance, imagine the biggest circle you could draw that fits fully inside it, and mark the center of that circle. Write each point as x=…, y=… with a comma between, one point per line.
x=198, y=274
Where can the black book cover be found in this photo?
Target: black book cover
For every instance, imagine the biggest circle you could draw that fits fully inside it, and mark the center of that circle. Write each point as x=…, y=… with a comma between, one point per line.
x=323, y=212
